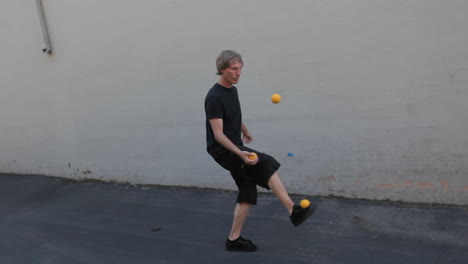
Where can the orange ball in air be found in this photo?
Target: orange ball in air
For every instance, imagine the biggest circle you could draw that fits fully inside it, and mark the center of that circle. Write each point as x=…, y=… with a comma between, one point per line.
x=276, y=98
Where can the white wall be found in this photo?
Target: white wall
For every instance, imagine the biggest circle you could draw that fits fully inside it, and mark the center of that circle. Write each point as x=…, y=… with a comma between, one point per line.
x=373, y=92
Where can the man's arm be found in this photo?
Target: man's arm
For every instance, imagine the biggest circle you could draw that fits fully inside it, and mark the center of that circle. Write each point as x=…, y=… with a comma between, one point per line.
x=220, y=137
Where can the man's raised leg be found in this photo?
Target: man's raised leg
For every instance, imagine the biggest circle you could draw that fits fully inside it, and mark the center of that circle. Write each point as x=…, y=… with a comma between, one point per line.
x=297, y=214
x=277, y=187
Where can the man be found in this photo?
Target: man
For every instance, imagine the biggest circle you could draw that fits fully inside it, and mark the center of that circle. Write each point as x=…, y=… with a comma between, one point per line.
x=225, y=134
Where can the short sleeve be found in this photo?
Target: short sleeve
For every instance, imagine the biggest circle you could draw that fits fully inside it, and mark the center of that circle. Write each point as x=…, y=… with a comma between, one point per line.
x=213, y=107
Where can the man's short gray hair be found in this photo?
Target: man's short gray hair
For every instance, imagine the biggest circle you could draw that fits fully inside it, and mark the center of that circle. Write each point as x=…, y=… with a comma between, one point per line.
x=225, y=58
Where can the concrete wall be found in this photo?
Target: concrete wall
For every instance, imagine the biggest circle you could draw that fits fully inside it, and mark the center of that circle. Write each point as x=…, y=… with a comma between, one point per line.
x=374, y=92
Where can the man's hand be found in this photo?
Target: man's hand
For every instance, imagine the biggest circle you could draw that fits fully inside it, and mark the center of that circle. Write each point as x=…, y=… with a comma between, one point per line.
x=244, y=155
x=247, y=137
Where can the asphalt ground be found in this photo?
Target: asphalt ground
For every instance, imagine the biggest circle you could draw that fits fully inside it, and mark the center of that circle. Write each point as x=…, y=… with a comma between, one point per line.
x=53, y=220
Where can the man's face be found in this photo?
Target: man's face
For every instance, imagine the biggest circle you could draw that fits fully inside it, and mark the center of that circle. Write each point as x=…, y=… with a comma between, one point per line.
x=232, y=73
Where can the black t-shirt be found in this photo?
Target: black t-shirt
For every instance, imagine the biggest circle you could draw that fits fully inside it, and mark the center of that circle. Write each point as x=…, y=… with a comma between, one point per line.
x=222, y=102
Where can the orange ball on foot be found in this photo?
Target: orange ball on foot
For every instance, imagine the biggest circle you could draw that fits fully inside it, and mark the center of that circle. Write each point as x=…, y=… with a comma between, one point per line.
x=305, y=203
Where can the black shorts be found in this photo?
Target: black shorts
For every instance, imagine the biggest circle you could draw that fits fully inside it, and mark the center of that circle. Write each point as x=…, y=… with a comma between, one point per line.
x=247, y=177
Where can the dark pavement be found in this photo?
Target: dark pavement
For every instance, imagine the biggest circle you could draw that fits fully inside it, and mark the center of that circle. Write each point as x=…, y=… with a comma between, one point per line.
x=51, y=220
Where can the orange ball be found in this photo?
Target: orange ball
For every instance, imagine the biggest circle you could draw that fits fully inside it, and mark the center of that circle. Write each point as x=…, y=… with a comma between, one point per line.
x=305, y=203
x=276, y=98
x=253, y=156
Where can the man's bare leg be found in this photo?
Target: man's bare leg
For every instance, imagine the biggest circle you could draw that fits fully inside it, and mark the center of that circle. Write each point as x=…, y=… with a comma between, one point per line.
x=278, y=189
x=240, y=214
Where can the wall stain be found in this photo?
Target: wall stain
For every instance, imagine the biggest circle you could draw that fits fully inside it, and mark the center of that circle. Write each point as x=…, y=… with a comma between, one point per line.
x=444, y=183
x=441, y=184
x=424, y=185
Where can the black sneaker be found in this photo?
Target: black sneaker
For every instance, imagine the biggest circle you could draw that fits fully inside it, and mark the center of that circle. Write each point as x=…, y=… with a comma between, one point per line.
x=240, y=244
x=299, y=214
